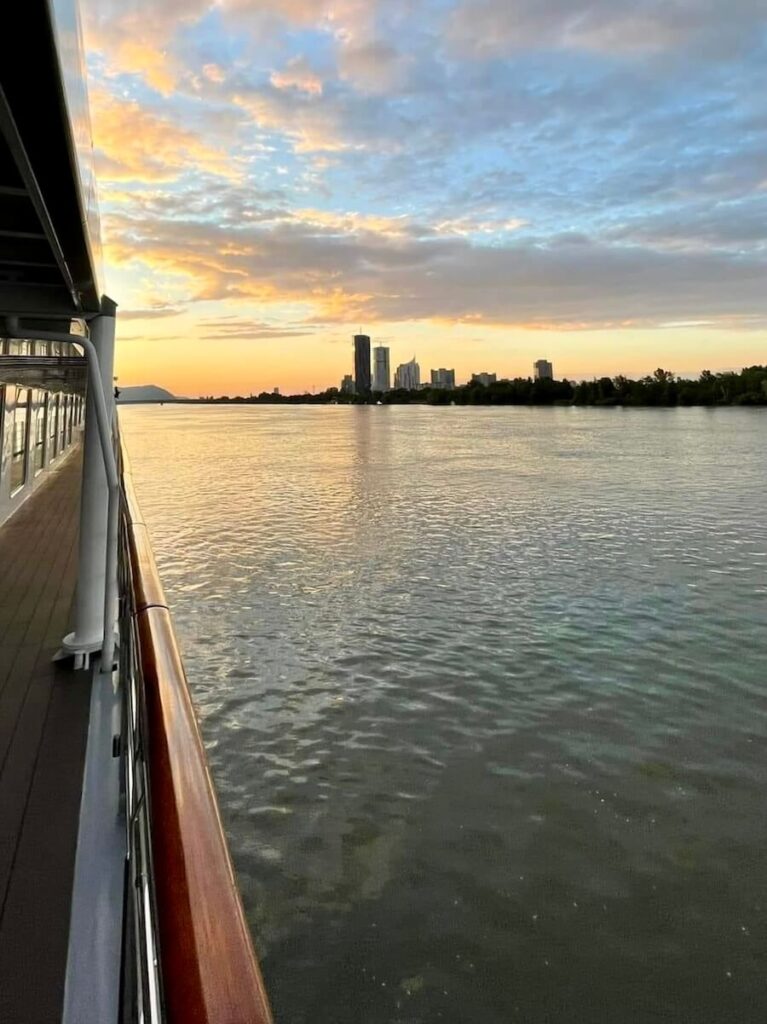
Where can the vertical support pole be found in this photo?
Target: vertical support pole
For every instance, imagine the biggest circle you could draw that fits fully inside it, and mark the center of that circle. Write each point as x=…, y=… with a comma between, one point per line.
x=92, y=564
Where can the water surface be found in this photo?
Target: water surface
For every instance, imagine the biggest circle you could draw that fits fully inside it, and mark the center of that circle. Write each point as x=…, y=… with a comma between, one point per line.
x=483, y=693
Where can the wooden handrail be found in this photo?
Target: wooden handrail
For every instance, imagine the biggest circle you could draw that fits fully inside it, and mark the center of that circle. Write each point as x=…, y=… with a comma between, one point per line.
x=209, y=970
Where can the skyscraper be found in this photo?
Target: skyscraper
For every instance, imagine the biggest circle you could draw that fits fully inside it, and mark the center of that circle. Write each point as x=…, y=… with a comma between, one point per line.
x=543, y=370
x=362, y=364
x=381, y=371
x=408, y=375
x=485, y=379
x=443, y=378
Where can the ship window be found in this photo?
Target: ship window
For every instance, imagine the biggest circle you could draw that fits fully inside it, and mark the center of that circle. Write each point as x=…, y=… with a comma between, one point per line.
x=70, y=418
x=53, y=426
x=63, y=422
x=41, y=410
x=19, y=455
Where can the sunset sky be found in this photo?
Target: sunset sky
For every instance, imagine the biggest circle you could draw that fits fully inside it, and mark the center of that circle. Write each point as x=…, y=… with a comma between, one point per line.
x=478, y=182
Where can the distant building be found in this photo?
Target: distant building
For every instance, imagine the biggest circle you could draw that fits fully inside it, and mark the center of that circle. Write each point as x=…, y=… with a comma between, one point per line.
x=347, y=385
x=543, y=370
x=381, y=371
x=483, y=378
x=443, y=378
x=408, y=375
x=362, y=364
x=276, y=391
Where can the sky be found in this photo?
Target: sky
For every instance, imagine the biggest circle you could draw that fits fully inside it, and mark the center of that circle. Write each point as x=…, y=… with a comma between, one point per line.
x=480, y=183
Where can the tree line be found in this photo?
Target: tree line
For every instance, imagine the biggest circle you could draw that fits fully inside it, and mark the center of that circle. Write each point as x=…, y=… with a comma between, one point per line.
x=662, y=388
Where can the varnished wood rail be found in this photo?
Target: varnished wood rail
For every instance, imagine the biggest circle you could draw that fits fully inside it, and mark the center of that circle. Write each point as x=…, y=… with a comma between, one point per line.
x=209, y=971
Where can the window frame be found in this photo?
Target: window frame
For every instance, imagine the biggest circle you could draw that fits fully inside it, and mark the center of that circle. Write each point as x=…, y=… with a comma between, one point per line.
x=27, y=407
x=40, y=436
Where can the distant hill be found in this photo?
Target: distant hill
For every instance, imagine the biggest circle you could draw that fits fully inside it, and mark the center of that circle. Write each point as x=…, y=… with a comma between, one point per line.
x=144, y=393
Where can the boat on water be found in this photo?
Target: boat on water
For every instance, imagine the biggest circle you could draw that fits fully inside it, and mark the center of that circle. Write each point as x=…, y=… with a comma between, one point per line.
x=118, y=900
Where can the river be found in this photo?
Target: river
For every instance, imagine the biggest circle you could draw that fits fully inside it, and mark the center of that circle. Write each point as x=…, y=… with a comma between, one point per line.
x=483, y=694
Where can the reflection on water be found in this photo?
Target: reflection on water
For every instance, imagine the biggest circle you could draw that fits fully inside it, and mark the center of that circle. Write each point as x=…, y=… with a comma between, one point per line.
x=484, y=699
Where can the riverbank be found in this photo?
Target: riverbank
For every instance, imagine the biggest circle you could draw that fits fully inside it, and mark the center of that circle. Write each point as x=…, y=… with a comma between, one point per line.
x=662, y=388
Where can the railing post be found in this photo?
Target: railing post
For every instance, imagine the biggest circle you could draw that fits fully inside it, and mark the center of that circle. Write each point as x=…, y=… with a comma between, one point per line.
x=88, y=633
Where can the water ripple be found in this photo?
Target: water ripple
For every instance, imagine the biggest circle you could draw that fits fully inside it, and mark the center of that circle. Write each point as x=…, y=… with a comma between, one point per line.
x=483, y=695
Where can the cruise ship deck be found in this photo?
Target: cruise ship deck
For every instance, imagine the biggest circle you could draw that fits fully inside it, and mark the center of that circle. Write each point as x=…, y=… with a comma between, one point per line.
x=118, y=899
x=43, y=730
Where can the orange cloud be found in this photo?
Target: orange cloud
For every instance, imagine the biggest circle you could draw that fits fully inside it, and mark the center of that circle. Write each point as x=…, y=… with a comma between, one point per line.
x=311, y=127
x=347, y=267
x=133, y=144
x=351, y=222
x=138, y=38
x=213, y=73
x=298, y=75
x=217, y=267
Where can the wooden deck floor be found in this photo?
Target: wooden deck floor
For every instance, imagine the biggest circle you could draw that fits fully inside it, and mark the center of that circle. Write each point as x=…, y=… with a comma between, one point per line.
x=43, y=730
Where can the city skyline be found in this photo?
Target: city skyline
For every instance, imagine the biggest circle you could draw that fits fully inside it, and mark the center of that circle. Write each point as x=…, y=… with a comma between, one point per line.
x=468, y=176
x=410, y=373
x=484, y=377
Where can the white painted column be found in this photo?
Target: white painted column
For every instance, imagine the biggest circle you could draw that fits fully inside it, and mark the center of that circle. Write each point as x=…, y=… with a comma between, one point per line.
x=91, y=573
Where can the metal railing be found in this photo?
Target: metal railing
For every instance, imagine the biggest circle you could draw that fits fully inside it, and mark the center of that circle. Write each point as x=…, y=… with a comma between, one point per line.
x=141, y=983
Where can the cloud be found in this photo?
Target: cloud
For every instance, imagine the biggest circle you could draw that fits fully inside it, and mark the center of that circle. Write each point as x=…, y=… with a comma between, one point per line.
x=310, y=123
x=213, y=73
x=142, y=37
x=152, y=313
x=374, y=67
x=297, y=75
x=133, y=36
x=134, y=144
x=535, y=163
x=473, y=225
x=348, y=223
x=733, y=227
x=571, y=283
x=485, y=28
x=232, y=328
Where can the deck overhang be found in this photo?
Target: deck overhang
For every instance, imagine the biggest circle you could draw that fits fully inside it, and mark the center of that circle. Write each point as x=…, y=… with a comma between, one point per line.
x=49, y=248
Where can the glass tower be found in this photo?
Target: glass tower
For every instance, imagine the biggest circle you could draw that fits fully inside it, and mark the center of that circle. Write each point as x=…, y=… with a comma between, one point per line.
x=362, y=364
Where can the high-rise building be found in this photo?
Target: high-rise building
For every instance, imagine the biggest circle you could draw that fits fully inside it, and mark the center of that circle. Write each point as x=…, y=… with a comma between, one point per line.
x=443, y=378
x=483, y=378
x=362, y=364
x=381, y=371
x=408, y=375
x=543, y=370
x=347, y=385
